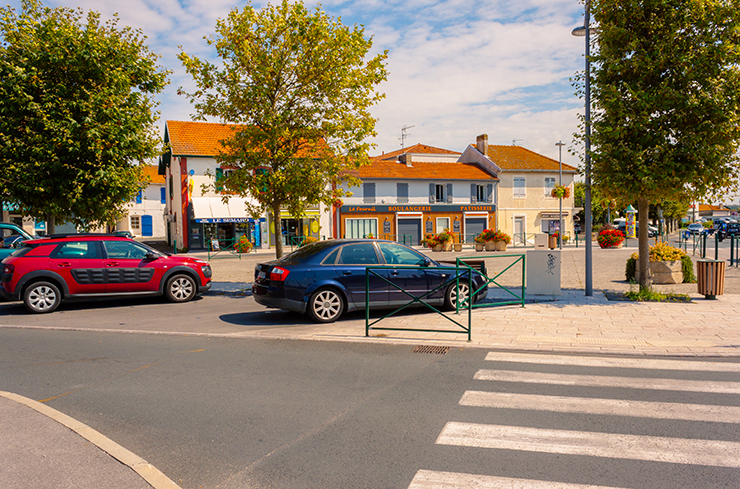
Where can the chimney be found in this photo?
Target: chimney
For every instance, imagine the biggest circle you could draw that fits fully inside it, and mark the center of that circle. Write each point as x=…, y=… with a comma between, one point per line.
x=406, y=159
x=481, y=143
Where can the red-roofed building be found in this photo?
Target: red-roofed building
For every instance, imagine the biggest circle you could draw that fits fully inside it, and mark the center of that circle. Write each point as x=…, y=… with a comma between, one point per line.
x=146, y=214
x=196, y=216
x=419, y=190
x=525, y=206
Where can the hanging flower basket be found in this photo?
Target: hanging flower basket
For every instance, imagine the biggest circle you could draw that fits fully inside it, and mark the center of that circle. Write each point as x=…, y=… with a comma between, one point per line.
x=560, y=192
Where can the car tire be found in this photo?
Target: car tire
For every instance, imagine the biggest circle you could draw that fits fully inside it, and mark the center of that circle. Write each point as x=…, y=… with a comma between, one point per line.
x=451, y=294
x=42, y=297
x=180, y=288
x=325, y=305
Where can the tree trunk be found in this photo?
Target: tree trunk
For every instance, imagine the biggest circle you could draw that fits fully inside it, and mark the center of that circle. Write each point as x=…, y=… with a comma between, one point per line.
x=49, y=224
x=278, y=234
x=644, y=243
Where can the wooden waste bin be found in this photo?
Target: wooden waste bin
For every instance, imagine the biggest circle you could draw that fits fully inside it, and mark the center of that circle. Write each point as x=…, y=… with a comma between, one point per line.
x=710, y=276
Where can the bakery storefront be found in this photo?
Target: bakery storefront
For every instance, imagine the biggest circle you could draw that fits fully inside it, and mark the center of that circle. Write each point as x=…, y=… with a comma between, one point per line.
x=211, y=220
x=410, y=223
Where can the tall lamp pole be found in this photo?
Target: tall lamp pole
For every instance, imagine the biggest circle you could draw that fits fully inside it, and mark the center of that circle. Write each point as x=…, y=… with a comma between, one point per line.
x=586, y=32
x=560, y=145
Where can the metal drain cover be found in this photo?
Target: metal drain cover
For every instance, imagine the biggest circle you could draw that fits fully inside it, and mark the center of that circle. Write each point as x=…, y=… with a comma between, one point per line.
x=438, y=350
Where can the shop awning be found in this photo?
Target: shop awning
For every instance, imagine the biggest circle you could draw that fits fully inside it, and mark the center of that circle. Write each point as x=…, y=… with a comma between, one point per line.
x=214, y=210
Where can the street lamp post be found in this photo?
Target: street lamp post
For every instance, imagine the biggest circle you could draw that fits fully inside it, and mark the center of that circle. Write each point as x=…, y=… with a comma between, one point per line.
x=560, y=145
x=586, y=32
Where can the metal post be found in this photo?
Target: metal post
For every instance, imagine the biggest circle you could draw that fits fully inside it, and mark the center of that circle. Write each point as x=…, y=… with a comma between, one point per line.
x=560, y=145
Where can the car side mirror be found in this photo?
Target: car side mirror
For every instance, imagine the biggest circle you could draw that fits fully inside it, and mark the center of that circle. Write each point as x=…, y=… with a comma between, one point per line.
x=151, y=256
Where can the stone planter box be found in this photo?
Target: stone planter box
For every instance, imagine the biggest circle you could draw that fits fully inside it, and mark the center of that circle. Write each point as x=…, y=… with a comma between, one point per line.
x=490, y=246
x=664, y=272
x=458, y=246
x=437, y=247
x=447, y=246
x=499, y=245
x=480, y=246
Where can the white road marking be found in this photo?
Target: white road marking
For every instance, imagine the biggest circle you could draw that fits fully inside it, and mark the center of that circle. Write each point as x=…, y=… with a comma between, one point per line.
x=630, y=447
x=428, y=479
x=635, y=363
x=611, y=407
x=607, y=381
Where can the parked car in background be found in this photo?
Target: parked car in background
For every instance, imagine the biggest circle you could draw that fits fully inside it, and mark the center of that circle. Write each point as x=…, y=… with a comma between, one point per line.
x=696, y=228
x=12, y=237
x=328, y=278
x=730, y=229
x=45, y=272
x=123, y=234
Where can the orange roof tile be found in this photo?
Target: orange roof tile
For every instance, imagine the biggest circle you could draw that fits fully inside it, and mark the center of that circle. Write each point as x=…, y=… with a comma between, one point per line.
x=510, y=158
x=709, y=207
x=197, y=138
x=422, y=171
x=151, y=172
x=417, y=149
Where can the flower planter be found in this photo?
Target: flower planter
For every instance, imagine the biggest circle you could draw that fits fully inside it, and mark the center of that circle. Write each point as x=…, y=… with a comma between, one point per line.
x=499, y=245
x=437, y=247
x=447, y=246
x=664, y=272
x=479, y=246
x=458, y=246
x=618, y=245
x=552, y=242
x=490, y=246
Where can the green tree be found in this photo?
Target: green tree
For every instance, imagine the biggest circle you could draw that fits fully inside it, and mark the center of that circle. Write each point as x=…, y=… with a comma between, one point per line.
x=666, y=87
x=298, y=85
x=76, y=113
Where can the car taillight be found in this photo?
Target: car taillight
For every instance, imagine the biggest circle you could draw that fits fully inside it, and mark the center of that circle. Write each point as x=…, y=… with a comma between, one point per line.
x=279, y=274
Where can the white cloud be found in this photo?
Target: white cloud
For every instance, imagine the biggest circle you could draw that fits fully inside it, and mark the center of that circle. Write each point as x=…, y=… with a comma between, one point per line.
x=458, y=68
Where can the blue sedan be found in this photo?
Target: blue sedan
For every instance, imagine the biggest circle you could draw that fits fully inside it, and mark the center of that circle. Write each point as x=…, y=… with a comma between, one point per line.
x=328, y=278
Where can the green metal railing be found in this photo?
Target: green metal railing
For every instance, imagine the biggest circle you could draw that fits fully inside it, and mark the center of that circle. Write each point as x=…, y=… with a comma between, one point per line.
x=462, y=263
x=420, y=300
x=297, y=241
x=225, y=246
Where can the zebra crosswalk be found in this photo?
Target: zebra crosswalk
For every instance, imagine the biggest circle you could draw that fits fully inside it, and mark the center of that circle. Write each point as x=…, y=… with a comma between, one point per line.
x=666, y=447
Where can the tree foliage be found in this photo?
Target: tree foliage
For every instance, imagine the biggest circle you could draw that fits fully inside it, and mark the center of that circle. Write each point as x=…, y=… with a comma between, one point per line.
x=666, y=87
x=298, y=85
x=76, y=113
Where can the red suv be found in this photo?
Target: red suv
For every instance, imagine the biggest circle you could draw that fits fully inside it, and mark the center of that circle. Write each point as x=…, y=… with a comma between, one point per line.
x=44, y=272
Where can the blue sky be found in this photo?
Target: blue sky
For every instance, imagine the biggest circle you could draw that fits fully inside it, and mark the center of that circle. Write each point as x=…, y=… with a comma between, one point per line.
x=458, y=68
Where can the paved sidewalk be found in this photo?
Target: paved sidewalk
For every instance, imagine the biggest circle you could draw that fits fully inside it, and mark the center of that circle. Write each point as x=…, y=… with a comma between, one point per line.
x=41, y=448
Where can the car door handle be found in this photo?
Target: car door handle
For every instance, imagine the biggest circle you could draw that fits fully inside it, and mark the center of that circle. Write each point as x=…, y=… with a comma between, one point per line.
x=64, y=264
x=394, y=272
x=111, y=264
x=346, y=273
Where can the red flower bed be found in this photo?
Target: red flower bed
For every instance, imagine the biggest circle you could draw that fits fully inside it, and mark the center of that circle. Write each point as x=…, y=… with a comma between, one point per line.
x=609, y=238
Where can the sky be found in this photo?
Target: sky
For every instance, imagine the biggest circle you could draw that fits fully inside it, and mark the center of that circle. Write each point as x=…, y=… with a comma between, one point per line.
x=457, y=68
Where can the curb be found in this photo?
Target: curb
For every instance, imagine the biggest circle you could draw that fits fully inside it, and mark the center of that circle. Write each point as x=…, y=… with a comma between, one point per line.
x=153, y=476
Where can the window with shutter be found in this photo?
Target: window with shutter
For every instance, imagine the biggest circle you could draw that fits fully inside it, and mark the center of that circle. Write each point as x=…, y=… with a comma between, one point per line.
x=520, y=187
x=368, y=192
x=402, y=192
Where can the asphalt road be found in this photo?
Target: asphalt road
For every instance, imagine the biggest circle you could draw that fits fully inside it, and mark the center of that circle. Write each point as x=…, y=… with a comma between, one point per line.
x=237, y=413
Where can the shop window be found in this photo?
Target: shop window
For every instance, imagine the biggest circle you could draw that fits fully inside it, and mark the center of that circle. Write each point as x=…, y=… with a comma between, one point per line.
x=549, y=185
x=360, y=228
x=520, y=187
x=443, y=223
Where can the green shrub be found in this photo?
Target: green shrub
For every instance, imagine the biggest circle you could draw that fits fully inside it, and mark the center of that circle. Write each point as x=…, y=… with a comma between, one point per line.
x=629, y=271
x=687, y=266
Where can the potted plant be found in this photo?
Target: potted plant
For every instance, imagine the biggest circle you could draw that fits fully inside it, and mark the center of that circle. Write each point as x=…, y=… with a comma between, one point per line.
x=501, y=240
x=487, y=236
x=431, y=242
x=610, y=238
x=243, y=245
x=560, y=192
x=445, y=238
x=668, y=265
x=479, y=243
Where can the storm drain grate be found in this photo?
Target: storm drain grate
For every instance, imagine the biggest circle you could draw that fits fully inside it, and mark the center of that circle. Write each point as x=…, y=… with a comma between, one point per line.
x=437, y=350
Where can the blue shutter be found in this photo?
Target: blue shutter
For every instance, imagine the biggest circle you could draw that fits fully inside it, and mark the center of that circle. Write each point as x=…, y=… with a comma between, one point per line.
x=162, y=195
x=138, y=197
x=146, y=226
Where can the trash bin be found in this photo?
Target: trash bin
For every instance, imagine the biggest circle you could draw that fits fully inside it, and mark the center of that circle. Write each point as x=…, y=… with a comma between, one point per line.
x=710, y=276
